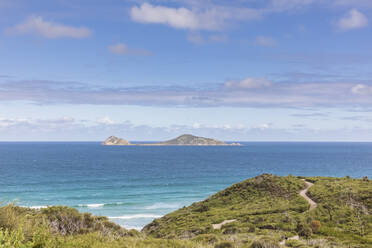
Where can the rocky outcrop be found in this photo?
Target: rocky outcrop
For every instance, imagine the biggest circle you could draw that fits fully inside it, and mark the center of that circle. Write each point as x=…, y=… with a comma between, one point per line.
x=115, y=141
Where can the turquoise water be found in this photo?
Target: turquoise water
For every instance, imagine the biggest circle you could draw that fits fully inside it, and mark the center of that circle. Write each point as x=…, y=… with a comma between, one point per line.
x=134, y=185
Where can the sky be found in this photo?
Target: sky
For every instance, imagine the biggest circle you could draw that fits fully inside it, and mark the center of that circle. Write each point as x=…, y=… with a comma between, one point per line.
x=236, y=70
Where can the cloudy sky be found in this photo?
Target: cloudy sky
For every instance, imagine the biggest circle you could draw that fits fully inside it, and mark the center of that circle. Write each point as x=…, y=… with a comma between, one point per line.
x=247, y=70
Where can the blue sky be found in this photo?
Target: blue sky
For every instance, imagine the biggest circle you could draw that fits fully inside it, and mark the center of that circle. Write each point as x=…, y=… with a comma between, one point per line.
x=254, y=70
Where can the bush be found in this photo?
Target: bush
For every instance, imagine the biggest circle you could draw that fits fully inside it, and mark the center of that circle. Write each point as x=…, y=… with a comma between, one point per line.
x=304, y=230
x=252, y=229
x=225, y=244
x=202, y=208
x=12, y=239
x=264, y=244
x=315, y=226
x=206, y=239
x=295, y=244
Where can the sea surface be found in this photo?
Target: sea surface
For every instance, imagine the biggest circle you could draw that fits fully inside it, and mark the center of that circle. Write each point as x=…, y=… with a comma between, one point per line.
x=132, y=185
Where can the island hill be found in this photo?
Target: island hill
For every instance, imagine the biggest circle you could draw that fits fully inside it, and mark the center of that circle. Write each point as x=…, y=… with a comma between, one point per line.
x=266, y=211
x=183, y=140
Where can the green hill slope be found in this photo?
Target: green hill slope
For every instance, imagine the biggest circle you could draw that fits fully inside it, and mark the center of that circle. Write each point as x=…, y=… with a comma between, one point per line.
x=262, y=212
x=270, y=206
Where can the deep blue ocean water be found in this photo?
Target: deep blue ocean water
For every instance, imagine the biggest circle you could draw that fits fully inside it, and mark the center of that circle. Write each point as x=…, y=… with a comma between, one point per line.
x=133, y=185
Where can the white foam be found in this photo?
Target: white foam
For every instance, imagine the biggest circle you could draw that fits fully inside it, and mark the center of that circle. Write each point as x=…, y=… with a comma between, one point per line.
x=136, y=216
x=96, y=205
x=161, y=205
x=35, y=207
x=93, y=205
x=138, y=228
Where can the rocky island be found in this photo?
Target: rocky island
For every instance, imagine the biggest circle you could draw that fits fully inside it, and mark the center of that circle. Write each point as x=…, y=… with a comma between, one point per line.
x=183, y=140
x=115, y=141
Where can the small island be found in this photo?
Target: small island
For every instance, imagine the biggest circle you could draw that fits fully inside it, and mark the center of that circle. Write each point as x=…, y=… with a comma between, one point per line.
x=115, y=141
x=183, y=140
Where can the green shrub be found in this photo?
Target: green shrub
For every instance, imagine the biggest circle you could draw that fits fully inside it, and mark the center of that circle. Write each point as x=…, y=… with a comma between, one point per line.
x=224, y=244
x=206, y=239
x=295, y=244
x=304, y=230
x=264, y=244
x=12, y=239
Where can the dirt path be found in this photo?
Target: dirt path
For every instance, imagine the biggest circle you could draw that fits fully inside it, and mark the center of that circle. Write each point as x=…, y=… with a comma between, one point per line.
x=312, y=203
x=291, y=238
x=218, y=226
x=303, y=192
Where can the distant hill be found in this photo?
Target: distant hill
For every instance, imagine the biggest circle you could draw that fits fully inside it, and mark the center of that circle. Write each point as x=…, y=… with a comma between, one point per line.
x=183, y=140
x=188, y=139
x=115, y=141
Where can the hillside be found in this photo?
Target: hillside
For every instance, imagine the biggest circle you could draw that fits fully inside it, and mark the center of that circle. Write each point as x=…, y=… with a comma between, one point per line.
x=271, y=205
x=265, y=211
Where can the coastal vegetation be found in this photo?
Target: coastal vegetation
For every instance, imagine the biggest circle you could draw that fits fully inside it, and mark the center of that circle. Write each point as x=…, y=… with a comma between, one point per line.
x=265, y=211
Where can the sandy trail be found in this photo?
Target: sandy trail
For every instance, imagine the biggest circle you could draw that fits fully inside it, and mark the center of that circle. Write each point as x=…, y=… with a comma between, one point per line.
x=303, y=192
x=312, y=203
x=218, y=226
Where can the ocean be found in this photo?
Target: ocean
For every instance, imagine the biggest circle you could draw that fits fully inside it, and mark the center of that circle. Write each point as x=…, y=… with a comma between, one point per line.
x=132, y=185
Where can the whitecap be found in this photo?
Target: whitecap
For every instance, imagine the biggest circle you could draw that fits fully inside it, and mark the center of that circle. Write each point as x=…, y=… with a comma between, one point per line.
x=35, y=207
x=161, y=205
x=138, y=228
x=93, y=205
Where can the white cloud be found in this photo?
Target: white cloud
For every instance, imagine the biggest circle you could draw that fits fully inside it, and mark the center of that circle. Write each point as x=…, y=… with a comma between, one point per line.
x=51, y=30
x=122, y=49
x=248, y=83
x=262, y=126
x=361, y=89
x=174, y=17
x=196, y=125
x=106, y=121
x=8, y=122
x=265, y=41
x=250, y=92
x=213, y=18
x=353, y=20
x=15, y=122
